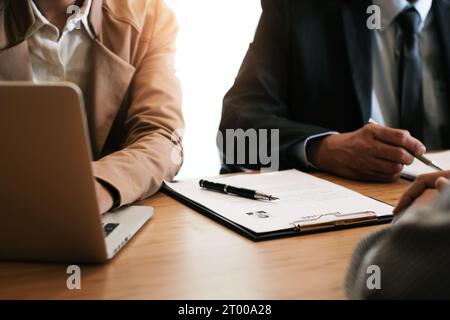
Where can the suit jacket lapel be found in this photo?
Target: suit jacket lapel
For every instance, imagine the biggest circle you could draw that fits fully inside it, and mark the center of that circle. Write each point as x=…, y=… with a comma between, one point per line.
x=96, y=18
x=15, y=64
x=359, y=46
x=109, y=84
x=442, y=13
x=21, y=18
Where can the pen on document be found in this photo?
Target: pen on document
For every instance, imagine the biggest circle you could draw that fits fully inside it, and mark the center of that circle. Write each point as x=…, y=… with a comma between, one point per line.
x=241, y=192
x=422, y=159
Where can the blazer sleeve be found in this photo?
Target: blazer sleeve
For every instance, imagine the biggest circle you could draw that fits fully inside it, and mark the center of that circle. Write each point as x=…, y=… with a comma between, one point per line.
x=260, y=96
x=152, y=151
x=413, y=256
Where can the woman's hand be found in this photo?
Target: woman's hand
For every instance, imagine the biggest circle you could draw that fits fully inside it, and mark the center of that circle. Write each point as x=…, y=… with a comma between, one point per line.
x=104, y=198
x=423, y=189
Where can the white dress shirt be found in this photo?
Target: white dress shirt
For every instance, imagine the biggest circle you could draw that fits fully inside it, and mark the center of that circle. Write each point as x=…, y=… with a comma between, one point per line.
x=61, y=57
x=385, y=69
x=386, y=55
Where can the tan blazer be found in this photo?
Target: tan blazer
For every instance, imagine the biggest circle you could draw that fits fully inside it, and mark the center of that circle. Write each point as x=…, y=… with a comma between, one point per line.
x=133, y=103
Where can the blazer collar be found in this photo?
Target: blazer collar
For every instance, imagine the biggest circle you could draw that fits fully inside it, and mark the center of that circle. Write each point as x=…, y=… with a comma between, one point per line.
x=95, y=17
x=22, y=19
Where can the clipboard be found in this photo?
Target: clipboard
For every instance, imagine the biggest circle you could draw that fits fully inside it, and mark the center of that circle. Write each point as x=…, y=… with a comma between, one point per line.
x=310, y=224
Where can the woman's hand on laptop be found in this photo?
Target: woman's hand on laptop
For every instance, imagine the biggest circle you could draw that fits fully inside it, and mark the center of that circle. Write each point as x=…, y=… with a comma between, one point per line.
x=423, y=189
x=104, y=198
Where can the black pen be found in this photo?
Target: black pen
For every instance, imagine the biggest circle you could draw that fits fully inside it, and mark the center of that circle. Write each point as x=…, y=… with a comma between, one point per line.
x=241, y=192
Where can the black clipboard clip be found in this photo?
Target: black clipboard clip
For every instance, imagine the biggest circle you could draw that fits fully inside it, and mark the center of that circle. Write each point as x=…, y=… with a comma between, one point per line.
x=334, y=220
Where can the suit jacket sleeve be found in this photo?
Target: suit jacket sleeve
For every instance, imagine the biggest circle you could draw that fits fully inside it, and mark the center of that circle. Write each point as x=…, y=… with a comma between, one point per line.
x=152, y=151
x=259, y=98
x=413, y=255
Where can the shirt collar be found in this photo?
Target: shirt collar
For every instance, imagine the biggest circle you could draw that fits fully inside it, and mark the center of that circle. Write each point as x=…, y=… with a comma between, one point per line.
x=390, y=9
x=81, y=17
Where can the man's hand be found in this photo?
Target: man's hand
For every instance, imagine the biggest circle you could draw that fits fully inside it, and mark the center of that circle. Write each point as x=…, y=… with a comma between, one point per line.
x=104, y=198
x=372, y=153
x=435, y=181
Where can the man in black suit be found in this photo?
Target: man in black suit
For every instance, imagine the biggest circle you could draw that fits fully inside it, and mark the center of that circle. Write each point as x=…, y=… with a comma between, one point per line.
x=318, y=72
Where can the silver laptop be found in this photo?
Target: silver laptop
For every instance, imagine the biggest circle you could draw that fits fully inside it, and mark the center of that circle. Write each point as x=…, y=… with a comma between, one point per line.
x=49, y=211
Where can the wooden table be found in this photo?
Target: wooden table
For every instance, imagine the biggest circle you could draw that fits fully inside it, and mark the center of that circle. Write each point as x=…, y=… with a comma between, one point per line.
x=184, y=255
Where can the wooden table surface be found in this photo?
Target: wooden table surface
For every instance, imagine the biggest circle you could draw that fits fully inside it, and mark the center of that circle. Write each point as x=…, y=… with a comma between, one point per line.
x=181, y=254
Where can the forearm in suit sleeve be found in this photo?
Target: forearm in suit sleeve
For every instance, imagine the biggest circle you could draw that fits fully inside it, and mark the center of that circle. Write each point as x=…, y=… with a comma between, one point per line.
x=152, y=151
x=413, y=255
x=259, y=98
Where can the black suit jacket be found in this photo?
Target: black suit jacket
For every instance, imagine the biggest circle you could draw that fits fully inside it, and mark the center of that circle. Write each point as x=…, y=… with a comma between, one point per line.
x=309, y=71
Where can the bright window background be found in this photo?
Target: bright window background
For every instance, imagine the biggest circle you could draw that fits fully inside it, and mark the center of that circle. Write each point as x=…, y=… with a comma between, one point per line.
x=213, y=39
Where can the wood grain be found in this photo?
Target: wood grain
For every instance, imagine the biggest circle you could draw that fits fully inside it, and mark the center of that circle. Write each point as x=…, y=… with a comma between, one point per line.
x=181, y=254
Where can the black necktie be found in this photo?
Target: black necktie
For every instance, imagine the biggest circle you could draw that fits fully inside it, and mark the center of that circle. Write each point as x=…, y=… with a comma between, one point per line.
x=410, y=79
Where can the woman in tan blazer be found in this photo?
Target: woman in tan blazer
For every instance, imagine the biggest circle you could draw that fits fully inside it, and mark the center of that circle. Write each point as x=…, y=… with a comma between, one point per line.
x=133, y=98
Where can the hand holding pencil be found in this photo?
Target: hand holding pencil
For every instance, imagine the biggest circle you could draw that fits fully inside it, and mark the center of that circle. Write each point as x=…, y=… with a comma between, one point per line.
x=372, y=153
x=421, y=158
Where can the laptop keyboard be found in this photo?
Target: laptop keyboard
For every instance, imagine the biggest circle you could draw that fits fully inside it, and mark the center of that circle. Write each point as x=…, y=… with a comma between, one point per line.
x=109, y=227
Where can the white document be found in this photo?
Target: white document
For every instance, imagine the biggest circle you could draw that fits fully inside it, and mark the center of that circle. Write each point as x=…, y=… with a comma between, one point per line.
x=442, y=159
x=302, y=197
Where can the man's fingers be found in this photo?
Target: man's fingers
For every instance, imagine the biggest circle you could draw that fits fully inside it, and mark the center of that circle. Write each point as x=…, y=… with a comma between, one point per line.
x=399, y=138
x=374, y=175
x=384, y=167
x=392, y=153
